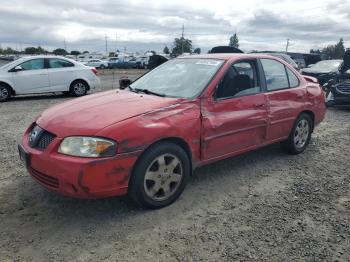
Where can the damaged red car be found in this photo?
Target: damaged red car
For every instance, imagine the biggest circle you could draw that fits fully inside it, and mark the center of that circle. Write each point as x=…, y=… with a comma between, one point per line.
x=147, y=139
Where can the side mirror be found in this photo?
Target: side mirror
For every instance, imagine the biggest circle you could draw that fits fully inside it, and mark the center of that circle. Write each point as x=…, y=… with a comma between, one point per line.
x=124, y=82
x=17, y=68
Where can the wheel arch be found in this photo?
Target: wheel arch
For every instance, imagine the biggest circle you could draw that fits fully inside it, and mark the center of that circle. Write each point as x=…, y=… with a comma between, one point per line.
x=13, y=92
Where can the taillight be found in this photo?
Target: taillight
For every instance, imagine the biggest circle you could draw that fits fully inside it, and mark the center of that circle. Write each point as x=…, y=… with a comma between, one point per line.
x=94, y=70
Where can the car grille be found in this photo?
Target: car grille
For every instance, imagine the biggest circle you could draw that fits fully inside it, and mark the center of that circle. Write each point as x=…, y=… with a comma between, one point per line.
x=44, y=179
x=40, y=138
x=344, y=87
x=45, y=139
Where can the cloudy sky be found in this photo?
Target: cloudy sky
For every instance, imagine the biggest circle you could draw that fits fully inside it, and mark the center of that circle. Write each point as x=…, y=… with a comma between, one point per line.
x=140, y=25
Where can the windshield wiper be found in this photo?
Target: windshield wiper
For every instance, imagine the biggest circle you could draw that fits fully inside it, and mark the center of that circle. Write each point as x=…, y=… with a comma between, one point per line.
x=146, y=91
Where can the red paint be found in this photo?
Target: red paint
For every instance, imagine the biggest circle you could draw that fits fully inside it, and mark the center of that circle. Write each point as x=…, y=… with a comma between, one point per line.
x=212, y=129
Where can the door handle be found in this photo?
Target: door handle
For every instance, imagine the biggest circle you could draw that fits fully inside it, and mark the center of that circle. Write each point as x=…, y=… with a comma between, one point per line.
x=260, y=105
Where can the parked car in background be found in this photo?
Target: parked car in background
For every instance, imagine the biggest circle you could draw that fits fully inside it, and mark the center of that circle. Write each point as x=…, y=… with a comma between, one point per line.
x=115, y=62
x=148, y=138
x=338, y=88
x=46, y=74
x=101, y=64
x=324, y=70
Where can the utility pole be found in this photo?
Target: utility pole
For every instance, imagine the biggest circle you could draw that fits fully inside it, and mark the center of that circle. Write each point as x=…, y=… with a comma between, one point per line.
x=106, y=45
x=182, y=38
x=287, y=45
x=116, y=39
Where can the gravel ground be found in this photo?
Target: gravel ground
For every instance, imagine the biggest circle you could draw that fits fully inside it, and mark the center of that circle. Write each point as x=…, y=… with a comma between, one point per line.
x=261, y=206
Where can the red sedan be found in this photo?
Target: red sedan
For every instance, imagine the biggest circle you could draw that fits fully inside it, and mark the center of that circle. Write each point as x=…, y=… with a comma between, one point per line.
x=147, y=139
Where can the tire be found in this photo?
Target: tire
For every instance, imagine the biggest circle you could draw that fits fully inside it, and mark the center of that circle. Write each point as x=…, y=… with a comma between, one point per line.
x=300, y=135
x=156, y=185
x=102, y=67
x=79, y=88
x=5, y=93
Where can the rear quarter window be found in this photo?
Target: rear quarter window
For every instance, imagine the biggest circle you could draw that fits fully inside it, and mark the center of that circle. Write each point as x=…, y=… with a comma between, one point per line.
x=293, y=80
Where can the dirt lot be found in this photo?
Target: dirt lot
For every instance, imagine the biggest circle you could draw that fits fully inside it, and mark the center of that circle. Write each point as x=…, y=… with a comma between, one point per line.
x=264, y=205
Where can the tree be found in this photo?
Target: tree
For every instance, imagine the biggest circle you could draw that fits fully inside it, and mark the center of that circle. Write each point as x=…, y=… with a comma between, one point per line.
x=334, y=51
x=181, y=45
x=197, y=50
x=59, y=51
x=8, y=51
x=234, y=42
x=35, y=50
x=166, y=50
x=75, y=53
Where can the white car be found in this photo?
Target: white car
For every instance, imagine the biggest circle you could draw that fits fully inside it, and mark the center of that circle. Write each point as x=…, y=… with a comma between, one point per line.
x=97, y=63
x=46, y=74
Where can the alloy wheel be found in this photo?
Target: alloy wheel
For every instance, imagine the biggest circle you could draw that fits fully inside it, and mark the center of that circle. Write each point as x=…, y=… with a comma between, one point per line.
x=79, y=88
x=163, y=177
x=301, y=133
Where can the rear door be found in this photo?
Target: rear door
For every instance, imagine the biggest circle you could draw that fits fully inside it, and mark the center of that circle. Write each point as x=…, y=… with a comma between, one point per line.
x=285, y=97
x=34, y=77
x=61, y=74
x=234, y=119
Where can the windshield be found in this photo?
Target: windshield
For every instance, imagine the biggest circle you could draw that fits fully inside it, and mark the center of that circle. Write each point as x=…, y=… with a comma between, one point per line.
x=179, y=77
x=330, y=65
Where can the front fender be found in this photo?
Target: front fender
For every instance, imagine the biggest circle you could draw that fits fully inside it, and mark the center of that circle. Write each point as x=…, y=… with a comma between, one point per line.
x=176, y=121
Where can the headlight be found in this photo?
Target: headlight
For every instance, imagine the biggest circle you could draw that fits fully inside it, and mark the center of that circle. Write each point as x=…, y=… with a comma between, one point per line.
x=87, y=147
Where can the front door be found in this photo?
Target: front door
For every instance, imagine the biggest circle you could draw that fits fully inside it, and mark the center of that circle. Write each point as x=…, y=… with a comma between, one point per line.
x=235, y=119
x=33, y=78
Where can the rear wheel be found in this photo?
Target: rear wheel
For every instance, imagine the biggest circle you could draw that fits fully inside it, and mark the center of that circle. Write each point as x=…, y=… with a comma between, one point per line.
x=79, y=88
x=5, y=93
x=300, y=135
x=102, y=66
x=160, y=176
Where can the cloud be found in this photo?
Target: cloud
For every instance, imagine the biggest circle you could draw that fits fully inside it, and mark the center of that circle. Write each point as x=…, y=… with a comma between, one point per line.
x=144, y=25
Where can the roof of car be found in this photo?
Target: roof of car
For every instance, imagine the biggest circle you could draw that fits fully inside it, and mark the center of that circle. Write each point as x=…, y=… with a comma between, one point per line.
x=228, y=56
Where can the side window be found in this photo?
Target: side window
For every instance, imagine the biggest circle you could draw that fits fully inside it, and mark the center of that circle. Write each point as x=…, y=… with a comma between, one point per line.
x=293, y=80
x=275, y=74
x=34, y=64
x=240, y=80
x=59, y=63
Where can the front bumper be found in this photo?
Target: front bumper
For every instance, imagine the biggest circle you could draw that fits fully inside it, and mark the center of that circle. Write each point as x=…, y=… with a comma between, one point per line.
x=79, y=177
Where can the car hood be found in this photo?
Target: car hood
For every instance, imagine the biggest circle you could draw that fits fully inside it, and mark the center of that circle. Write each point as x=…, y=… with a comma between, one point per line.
x=90, y=114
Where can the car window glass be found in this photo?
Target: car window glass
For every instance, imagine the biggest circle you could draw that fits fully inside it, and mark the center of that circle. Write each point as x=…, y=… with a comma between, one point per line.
x=275, y=74
x=34, y=64
x=293, y=80
x=59, y=63
x=239, y=80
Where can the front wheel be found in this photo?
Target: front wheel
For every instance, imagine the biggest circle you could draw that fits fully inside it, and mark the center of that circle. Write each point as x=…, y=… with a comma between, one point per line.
x=79, y=88
x=5, y=93
x=300, y=135
x=160, y=176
